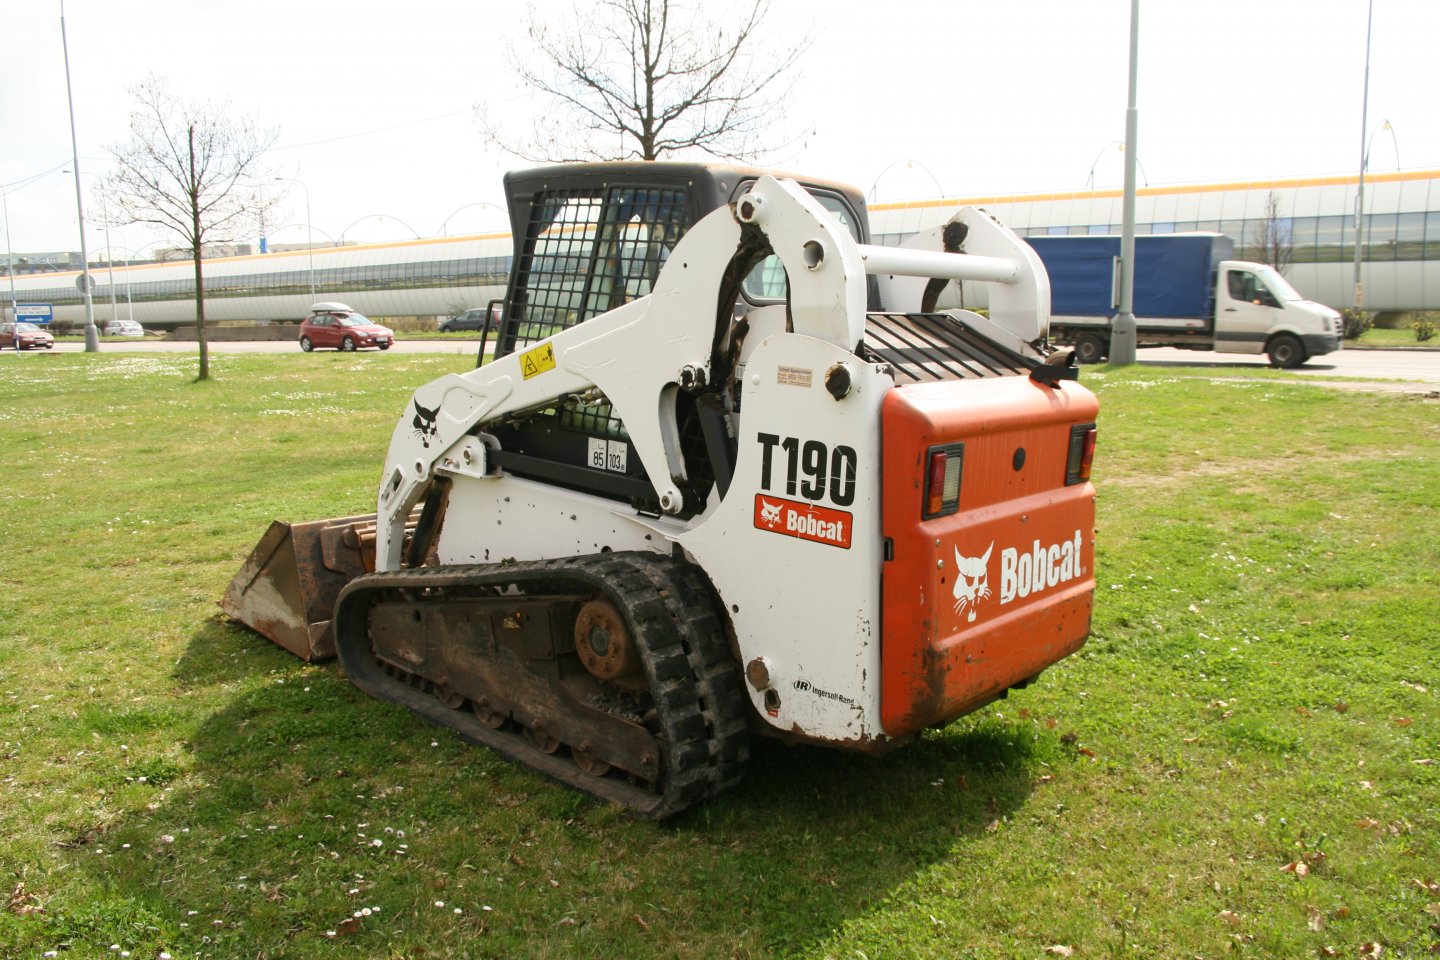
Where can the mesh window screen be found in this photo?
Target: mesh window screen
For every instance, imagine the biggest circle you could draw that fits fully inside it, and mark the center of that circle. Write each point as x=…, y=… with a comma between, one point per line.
x=591, y=251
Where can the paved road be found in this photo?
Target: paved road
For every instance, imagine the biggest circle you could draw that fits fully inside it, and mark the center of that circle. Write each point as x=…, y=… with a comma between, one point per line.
x=466, y=347
x=1419, y=368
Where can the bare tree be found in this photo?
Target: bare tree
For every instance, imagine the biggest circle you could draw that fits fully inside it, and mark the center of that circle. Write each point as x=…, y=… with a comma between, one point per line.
x=642, y=79
x=1273, y=240
x=194, y=169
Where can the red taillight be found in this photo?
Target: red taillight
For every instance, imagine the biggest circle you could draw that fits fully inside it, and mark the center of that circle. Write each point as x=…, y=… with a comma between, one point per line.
x=942, y=480
x=1082, y=454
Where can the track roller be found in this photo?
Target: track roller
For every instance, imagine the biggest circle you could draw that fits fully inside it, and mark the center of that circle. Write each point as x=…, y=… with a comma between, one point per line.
x=609, y=673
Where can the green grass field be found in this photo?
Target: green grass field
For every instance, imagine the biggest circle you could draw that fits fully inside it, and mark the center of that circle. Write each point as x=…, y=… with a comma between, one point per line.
x=1243, y=761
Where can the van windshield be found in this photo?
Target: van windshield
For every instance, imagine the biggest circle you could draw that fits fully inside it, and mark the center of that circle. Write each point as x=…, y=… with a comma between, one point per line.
x=1278, y=285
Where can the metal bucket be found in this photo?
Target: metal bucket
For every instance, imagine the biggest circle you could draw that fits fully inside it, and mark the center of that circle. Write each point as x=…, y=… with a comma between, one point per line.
x=286, y=588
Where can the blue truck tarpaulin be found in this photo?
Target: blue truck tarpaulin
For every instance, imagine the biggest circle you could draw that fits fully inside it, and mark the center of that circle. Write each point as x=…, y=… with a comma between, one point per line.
x=1174, y=274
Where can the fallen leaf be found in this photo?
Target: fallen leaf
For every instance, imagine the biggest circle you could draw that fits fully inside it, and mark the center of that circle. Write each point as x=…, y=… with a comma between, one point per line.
x=1413, y=686
x=1340, y=913
x=1194, y=609
x=1429, y=886
x=1069, y=738
x=1024, y=714
x=1087, y=752
x=1230, y=917
x=1051, y=722
x=1341, y=706
x=1367, y=823
x=1045, y=778
x=1317, y=918
x=1403, y=721
x=23, y=904
x=641, y=920
x=1304, y=712
x=1191, y=740
x=992, y=826
x=1297, y=867
x=347, y=926
x=1424, y=763
x=1328, y=952
x=1060, y=950
x=1371, y=950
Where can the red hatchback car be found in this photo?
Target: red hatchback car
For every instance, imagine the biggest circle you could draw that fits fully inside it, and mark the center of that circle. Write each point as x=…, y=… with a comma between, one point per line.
x=29, y=335
x=336, y=326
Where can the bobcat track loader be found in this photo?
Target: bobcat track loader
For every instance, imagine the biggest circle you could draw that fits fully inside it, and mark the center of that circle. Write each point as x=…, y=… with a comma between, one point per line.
x=729, y=474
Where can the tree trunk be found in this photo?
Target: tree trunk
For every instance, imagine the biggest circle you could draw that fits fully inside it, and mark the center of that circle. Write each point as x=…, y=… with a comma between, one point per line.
x=199, y=273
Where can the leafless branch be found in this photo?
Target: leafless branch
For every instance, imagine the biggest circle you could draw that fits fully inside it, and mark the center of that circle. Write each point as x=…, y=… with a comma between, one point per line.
x=193, y=169
x=645, y=79
x=1274, y=243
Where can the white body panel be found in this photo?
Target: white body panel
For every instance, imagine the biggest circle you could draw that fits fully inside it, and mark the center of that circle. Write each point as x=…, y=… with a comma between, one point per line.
x=821, y=647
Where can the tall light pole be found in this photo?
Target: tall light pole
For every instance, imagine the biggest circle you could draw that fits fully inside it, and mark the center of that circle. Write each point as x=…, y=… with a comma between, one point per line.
x=1364, y=149
x=309, y=231
x=1122, y=331
x=10, y=264
x=104, y=216
x=110, y=261
x=87, y=283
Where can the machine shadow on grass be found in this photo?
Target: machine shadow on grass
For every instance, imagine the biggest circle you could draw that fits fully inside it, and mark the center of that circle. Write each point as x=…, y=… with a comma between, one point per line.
x=306, y=753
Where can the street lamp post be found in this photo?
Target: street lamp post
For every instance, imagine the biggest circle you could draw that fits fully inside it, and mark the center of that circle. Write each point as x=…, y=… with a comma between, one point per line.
x=10, y=266
x=105, y=218
x=110, y=259
x=309, y=231
x=92, y=336
x=1364, y=149
x=1123, y=330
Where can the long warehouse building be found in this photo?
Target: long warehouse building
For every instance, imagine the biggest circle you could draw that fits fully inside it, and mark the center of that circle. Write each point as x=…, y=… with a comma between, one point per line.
x=1314, y=217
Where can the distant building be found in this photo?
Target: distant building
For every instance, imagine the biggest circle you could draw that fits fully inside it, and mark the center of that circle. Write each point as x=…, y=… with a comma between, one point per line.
x=210, y=251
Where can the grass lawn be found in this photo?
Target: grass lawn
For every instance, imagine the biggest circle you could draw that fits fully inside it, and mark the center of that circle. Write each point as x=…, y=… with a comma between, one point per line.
x=1243, y=761
x=1401, y=339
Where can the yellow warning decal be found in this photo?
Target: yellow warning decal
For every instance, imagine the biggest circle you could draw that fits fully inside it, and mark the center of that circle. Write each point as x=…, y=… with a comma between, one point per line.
x=537, y=361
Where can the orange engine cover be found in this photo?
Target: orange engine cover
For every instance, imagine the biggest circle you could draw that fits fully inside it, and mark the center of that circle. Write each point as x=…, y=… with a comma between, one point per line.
x=985, y=597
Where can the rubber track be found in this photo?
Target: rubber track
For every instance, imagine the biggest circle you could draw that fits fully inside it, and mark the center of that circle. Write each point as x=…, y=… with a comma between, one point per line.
x=695, y=683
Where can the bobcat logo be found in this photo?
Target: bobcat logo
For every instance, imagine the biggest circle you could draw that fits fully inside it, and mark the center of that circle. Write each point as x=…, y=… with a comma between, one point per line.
x=769, y=512
x=424, y=423
x=972, y=581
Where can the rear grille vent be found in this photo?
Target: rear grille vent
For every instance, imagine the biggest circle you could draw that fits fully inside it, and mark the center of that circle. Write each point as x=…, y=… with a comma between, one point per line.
x=926, y=347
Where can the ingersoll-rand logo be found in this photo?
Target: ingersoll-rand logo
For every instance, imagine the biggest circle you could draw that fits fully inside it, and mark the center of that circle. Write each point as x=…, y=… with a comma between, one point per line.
x=1038, y=568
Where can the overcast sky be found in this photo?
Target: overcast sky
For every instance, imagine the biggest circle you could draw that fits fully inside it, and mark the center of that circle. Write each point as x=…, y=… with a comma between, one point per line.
x=374, y=101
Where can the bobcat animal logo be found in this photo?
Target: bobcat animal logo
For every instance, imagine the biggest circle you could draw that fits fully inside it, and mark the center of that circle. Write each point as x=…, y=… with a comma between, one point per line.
x=972, y=581
x=769, y=512
x=424, y=423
